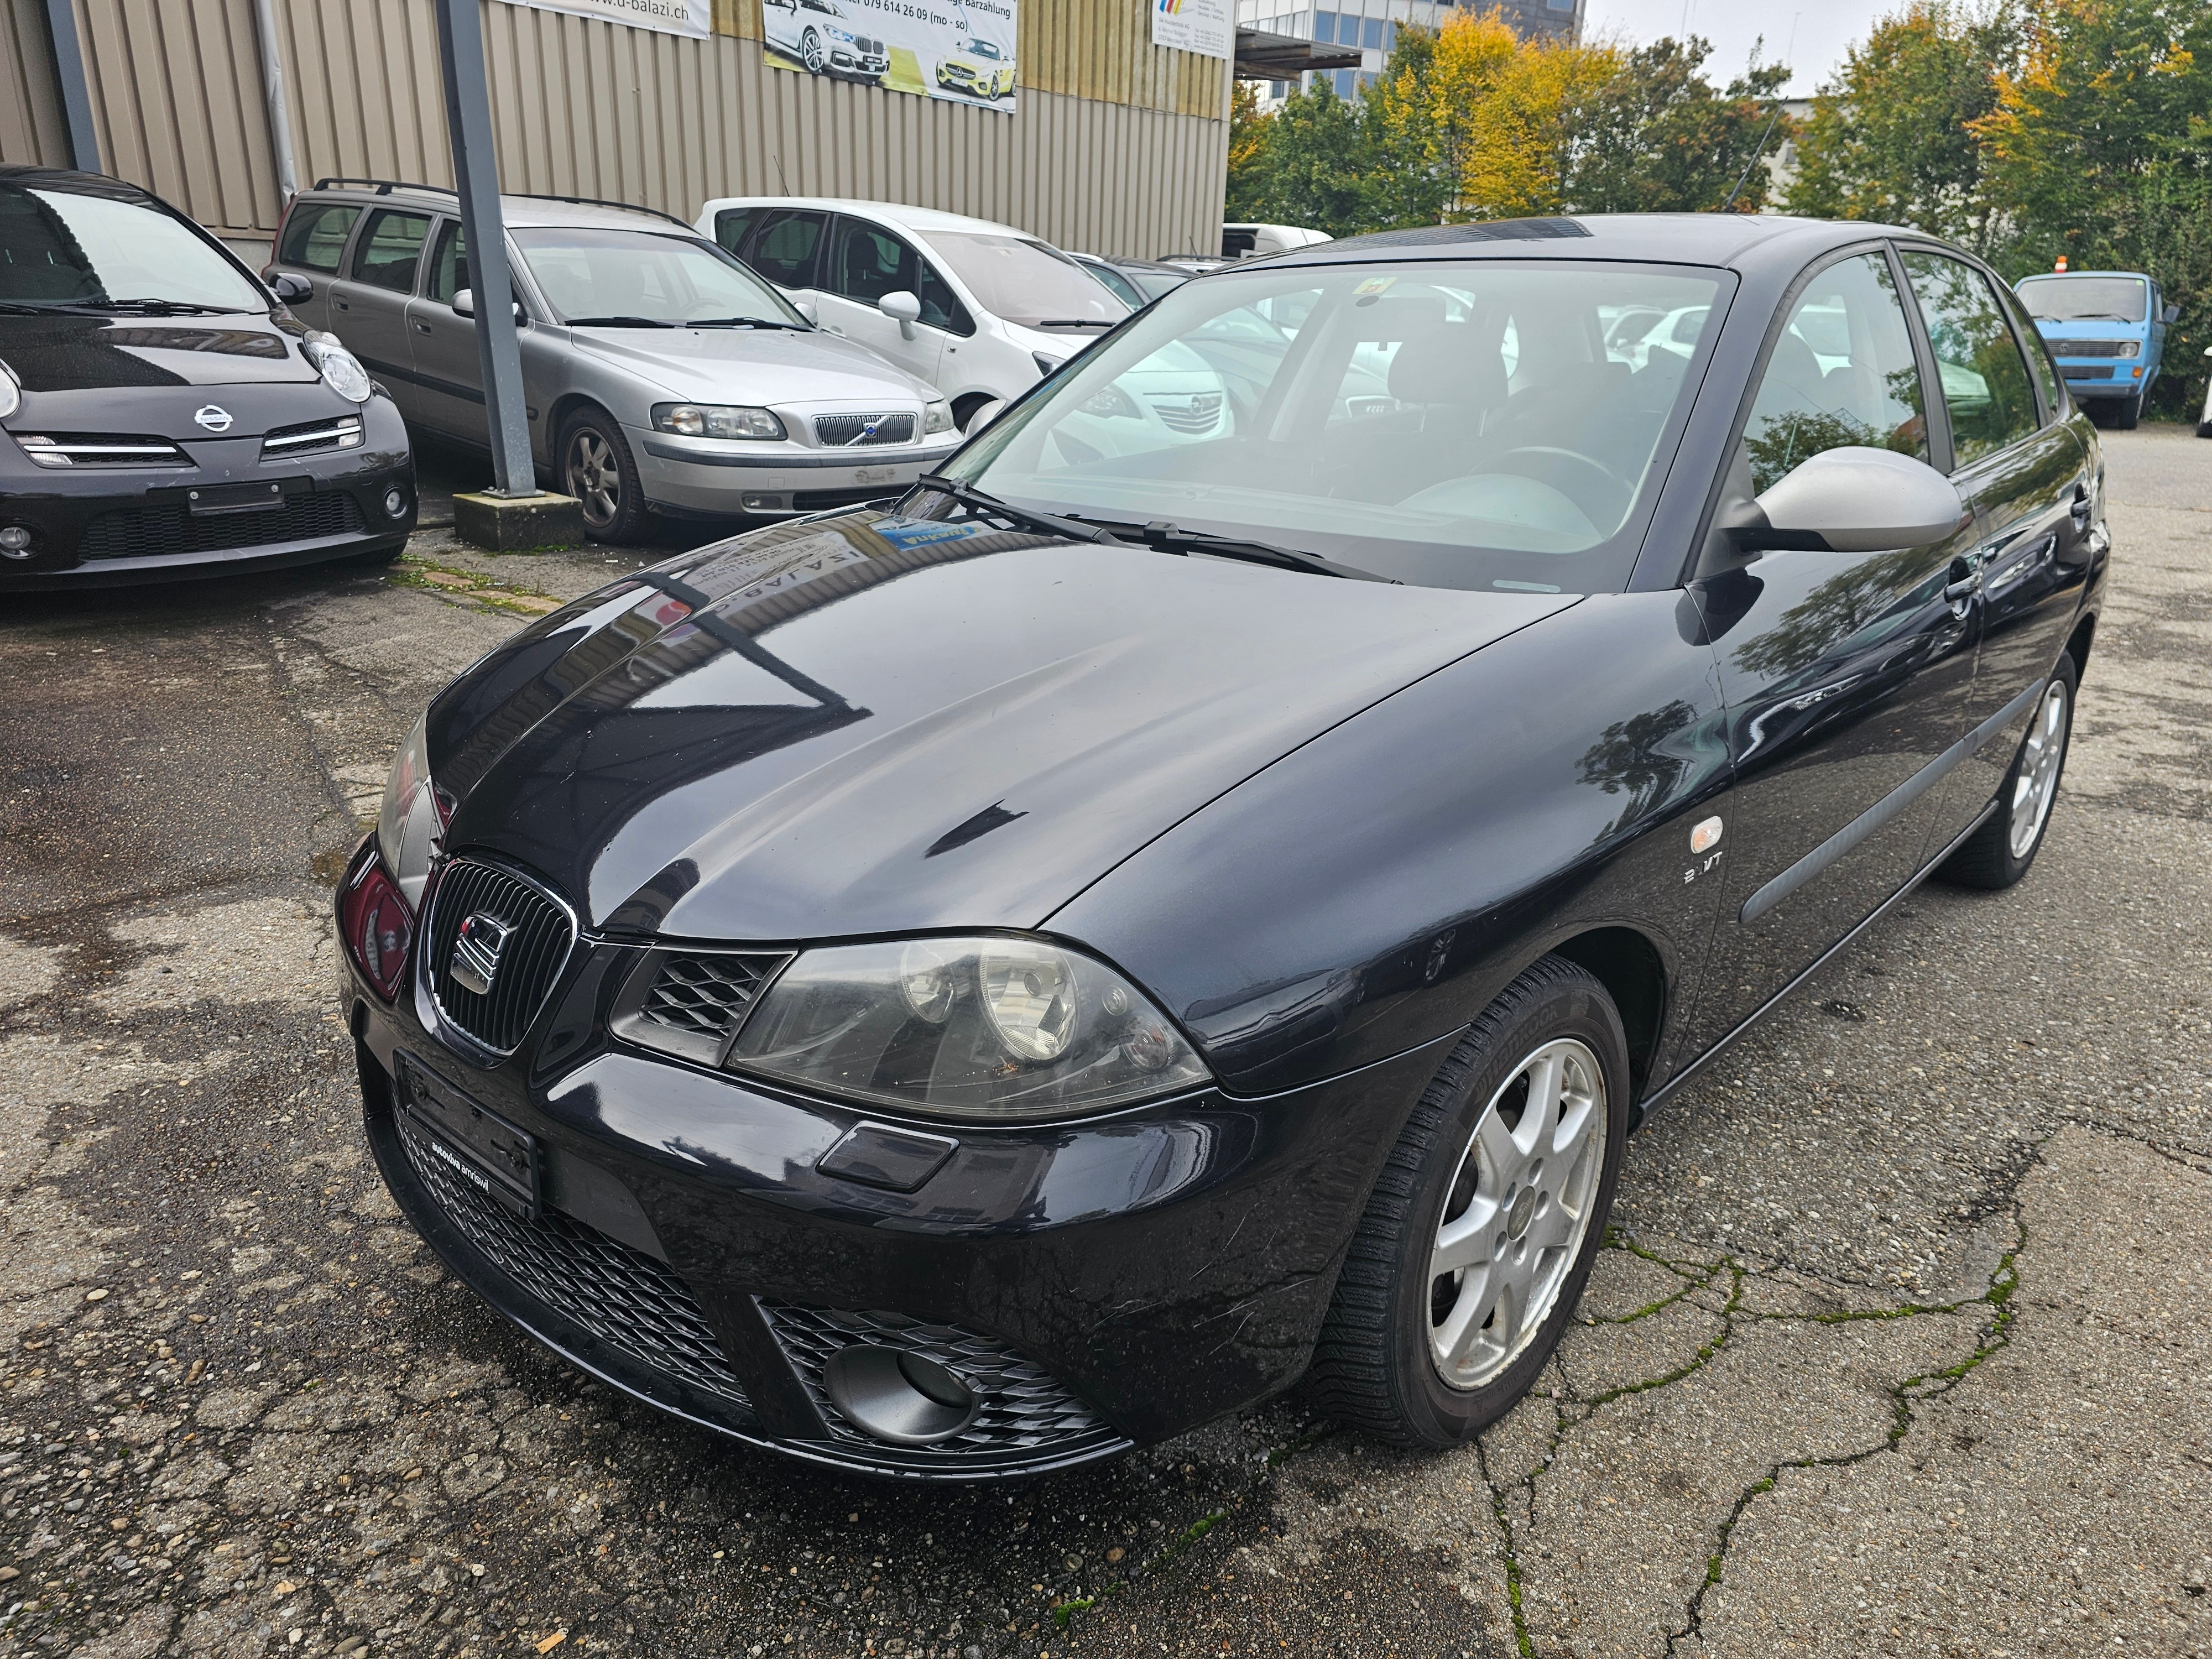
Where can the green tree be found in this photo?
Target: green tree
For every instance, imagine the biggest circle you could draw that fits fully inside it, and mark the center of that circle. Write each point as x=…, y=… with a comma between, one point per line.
x=1247, y=149
x=1892, y=136
x=1313, y=168
x=1410, y=179
x=1655, y=136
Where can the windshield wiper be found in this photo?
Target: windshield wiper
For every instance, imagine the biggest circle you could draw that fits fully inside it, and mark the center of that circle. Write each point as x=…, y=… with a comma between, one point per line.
x=2092, y=317
x=158, y=307
x=1174, y=539
x=618, y=322
x=1074, y=322
x=44, y=308
x=742, y=322
x=985, y=504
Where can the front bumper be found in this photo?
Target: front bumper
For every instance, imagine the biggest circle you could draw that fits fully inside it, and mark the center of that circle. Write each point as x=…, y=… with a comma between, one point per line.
x=1097, y=1285
x=698, y=475
x=2092, y=380
x=96, y=526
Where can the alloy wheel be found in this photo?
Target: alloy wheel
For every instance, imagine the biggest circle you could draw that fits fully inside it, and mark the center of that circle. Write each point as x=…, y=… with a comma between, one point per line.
x=1519, y=1207
x=594, y=477
x=812, y=54
x=2035, y=783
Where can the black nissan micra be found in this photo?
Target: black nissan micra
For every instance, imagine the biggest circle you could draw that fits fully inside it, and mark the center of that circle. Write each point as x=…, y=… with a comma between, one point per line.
x=1194, y=896
x=161, y=414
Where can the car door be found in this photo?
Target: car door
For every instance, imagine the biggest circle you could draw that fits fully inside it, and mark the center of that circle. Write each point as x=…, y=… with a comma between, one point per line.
x=1845, y=676
x=369, y=304
x=866, y=262
x=785, y=246
x=2027, y=476
x=448, y=370
x=314, y=247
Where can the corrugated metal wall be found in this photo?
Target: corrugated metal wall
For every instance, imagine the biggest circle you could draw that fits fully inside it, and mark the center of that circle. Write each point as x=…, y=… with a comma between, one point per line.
x=1117, y=147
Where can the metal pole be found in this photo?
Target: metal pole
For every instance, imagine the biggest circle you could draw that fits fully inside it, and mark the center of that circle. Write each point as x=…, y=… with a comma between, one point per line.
x=279, y=116
x=476, y=172
x=76, y=96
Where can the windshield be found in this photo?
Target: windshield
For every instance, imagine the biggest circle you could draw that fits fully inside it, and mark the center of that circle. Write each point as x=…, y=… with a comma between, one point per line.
x=2086, y=299
x=639, y=276
x=1026, y=281
x=983, y=49
x=59, y=247
x=1479, y=424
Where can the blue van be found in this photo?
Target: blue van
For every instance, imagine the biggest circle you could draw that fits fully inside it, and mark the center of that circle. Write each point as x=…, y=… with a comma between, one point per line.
x=2108, y=330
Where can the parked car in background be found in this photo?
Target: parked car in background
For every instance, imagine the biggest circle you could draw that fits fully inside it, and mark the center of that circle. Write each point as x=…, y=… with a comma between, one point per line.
x=1135, y=283
x=660, y=373
x=161, y=414
x=981, y=67
x=818, y=36
x=2108, y=330
x=981, y=311
x=2204, y=416
x=1249, y=241
x=1208, y=915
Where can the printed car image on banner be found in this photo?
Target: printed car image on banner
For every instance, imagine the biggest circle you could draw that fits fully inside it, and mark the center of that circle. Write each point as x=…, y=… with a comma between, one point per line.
x=1202, y=26
x=691, y=17
x=963, y=49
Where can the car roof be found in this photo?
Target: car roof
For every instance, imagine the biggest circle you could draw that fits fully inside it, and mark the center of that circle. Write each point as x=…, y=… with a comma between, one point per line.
x=69, y=178
x=518, y=212
x=909, y=218
x=2061, y=275
x=1704, y=238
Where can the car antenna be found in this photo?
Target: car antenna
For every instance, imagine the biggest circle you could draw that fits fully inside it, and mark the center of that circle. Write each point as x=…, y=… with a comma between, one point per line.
x=777, y=158
x=1745, y=177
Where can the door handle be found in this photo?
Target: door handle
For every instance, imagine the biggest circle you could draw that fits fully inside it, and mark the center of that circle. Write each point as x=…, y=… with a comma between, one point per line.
x=1966, y=580
x=422, y=327
x=2080, y=508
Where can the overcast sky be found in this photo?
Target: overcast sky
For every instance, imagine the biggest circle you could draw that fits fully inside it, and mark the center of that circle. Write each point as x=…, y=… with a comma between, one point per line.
x=1809, y=35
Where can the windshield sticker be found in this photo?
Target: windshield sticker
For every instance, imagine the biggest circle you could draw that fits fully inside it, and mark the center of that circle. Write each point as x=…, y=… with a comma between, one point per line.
x=1373, y=286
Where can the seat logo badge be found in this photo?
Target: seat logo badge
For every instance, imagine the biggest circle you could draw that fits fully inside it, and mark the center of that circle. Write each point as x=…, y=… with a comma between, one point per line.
x=476, y=952
x=213, y=417
x=1706, y=836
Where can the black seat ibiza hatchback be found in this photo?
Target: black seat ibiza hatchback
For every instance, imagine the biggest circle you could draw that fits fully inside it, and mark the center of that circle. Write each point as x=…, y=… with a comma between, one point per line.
x=161, y=414
x=1194, y=896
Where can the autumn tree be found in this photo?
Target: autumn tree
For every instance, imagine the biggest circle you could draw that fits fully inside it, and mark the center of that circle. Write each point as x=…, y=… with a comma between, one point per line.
x=1654, y=136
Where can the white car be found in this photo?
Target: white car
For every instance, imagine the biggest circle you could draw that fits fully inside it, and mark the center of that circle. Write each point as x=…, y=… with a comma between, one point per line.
x=981, y=311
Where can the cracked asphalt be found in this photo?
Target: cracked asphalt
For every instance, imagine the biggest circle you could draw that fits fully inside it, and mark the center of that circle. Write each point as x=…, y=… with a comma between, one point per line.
x=1898, y=1348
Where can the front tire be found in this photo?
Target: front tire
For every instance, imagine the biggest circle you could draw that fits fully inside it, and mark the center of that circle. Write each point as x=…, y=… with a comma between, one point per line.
x=811, y=52
x=1998, y=854
x=2128, y=413
x=598, y=469
x=1485, y=1223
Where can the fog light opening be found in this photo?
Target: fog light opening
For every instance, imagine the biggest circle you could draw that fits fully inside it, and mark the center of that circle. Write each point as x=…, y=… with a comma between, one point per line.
x=766, y=504
x=395, y=503
x=902, y=1398
x=15, y=541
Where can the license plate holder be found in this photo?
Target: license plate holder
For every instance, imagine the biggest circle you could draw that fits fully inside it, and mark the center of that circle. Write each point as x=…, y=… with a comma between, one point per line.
x=222, y=500
x=497, y=1159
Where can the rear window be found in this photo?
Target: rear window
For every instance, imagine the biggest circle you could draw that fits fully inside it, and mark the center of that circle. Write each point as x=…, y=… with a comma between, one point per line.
x=316, y=237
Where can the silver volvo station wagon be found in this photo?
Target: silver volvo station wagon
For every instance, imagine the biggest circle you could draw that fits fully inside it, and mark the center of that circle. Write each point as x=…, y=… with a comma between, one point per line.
x=659, y=371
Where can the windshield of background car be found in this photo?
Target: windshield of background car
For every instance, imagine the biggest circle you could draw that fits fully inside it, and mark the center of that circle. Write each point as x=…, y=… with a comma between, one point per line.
x=59, y=247
x=633, y=273
x=1474, y=425
x=2086, y=299
x=1026, y=281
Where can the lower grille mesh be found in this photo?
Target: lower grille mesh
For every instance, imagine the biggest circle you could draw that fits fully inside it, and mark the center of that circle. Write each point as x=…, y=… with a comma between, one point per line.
x=1024, y=1411
x=148, y=533
x=623, y=1296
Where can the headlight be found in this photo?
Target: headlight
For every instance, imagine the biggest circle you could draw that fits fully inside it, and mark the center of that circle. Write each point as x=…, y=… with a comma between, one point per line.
x=414, y=815
x=936, y=417
x=716, y=421
x=1112, y=403
x=340, y=370
x=11, y=395
x=990, y=1030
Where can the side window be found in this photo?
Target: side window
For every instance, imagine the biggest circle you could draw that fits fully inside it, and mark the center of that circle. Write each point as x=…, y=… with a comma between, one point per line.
x=449, y=267
x=867, y=263
x=731, y=225
x=783, y=248
x=390, y=250
x=2039, y=354
x=1842, y=373
x=316, y=238
x=940, y=305
x=1985, y=383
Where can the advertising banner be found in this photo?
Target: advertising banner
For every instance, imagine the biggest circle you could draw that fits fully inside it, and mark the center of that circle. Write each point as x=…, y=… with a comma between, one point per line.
x=692, y=17
x=961, y=50
x=1206, y=26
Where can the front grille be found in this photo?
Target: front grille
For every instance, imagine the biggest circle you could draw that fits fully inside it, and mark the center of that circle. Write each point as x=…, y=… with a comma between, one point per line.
x=2073, y=372
x=621, y=1296
x=152, y=532
x=312, y=438
x=1198, y=413
x=2095, y=348
x=529, y=961
x=851, y=431
x=706, y=995
x=821, y=501
x=1025, y=1413
x=59, y=449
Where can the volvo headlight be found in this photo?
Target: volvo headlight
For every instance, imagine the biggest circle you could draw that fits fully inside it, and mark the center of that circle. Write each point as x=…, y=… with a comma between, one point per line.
x=936, y=417
x=717, y=421
x=340, y=370
x=414, y=819
x=11, y=395
x=991, y=1030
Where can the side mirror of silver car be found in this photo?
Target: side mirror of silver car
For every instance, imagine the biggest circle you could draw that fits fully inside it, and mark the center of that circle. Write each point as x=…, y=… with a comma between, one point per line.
x=465, y=305
x=902, y=308
x=1852, y=499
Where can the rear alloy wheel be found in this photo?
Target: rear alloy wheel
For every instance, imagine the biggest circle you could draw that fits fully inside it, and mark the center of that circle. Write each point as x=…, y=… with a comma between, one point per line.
x=1998, y=854
x=596, y=468
x=1483, y=1227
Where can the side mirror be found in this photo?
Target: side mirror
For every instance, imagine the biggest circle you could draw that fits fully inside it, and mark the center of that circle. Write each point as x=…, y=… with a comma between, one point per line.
x=1852, y=499
x=902, y=308
x=465, y=302
x=807, y=309
x=2171, y=314
x=290, y=287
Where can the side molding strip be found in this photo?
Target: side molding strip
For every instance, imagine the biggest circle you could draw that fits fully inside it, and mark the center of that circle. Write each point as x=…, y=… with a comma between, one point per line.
x=1885, y=809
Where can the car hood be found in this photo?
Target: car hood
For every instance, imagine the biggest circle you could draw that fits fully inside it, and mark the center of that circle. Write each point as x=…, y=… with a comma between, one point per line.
x=872, y=724
x=65, y=353
x=754, y=366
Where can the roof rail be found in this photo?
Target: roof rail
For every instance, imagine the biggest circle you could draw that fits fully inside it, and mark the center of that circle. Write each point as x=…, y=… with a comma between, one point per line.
x=384, y=186
x=596, y=200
